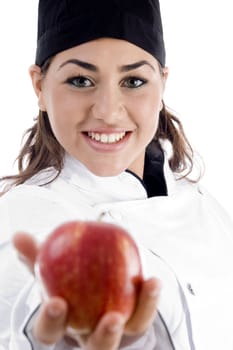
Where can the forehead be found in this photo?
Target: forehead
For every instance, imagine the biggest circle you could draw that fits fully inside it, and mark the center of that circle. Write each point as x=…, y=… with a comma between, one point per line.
x=106, y=50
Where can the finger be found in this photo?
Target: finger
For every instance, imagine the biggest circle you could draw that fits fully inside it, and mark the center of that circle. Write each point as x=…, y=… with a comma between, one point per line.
x=107, y=335
x=146, y=308
x=50, y=324
x=27, y=248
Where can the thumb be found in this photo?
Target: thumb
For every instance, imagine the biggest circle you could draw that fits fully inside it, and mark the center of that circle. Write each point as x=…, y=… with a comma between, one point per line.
x=27, y=248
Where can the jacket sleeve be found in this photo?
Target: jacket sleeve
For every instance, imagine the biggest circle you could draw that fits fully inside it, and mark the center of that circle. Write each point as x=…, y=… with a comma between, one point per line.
x=15, y=279
x=21, y=210
x=15, y=282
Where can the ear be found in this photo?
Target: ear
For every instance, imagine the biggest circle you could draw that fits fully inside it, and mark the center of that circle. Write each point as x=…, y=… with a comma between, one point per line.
x=36, y=78
x=165, y=74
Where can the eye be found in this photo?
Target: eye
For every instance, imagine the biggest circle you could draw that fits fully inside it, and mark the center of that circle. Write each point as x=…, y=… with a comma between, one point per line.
x=133, y=82
x=79, y=82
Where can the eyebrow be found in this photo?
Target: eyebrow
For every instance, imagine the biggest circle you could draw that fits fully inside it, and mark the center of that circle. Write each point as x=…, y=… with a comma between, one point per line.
x=129, y=67
x=93, y=68
x=79, y=63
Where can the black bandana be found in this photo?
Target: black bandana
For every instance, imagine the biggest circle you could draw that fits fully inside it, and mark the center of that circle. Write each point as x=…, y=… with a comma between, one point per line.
x=63, y=24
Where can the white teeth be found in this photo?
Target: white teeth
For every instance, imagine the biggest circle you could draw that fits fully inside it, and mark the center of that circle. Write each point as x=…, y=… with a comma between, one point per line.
x=106, y=138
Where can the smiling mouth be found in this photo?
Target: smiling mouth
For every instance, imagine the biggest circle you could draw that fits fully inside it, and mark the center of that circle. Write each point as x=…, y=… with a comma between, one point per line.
x=106, y=138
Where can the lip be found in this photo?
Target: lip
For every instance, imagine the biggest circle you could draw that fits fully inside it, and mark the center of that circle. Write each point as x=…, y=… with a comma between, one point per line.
x=107, y=147
x=106, y=131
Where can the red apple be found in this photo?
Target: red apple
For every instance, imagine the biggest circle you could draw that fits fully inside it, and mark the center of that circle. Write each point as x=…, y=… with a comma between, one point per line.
x=95, y=267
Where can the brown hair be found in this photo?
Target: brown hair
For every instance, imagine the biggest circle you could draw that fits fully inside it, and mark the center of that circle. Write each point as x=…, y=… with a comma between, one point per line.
x=41, y=149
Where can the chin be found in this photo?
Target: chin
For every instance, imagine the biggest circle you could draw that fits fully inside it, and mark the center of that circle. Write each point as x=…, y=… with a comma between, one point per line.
x=105, y=171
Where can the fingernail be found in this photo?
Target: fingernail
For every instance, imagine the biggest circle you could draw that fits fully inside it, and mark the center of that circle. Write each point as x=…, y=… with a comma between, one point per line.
x=155, y=291
x=53, y=312
x=116, y=326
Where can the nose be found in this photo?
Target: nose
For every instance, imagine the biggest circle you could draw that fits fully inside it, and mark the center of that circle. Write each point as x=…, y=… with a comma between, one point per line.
x=108, y=105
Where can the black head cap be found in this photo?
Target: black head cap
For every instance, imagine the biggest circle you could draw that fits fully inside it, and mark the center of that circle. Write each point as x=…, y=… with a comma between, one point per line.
x=63, y=24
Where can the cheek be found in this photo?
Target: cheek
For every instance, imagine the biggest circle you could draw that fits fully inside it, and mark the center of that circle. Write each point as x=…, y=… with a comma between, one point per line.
x=64, y=110
x=61, y=121
x=61, y=103
x=147, y=109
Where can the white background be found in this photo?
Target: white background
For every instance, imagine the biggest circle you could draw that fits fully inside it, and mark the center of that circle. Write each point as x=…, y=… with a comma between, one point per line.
x=198, y=36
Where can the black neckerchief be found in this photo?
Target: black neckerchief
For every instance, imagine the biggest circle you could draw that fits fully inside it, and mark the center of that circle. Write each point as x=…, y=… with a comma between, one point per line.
x=153, y=176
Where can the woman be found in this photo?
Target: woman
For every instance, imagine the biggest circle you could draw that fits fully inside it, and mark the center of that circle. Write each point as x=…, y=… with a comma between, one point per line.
x=105, y=144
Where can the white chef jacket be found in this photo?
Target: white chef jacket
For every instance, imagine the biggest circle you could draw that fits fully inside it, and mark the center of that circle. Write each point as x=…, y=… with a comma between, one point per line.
x=185, y=239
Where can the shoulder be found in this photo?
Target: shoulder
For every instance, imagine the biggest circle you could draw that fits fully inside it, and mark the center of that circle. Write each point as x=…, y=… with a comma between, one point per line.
x=215, y=208
x=33, y=209
x=37, y=207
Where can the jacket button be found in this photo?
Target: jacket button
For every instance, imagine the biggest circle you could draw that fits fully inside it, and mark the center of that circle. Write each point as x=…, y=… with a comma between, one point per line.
x=190, y=289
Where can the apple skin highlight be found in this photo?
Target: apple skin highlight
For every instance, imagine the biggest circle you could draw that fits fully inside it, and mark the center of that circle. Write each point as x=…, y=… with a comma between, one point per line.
x=95, y=267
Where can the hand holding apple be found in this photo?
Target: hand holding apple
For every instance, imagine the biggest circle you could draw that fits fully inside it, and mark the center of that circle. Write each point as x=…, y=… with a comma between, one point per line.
x=95, y=267
x=51, y=330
